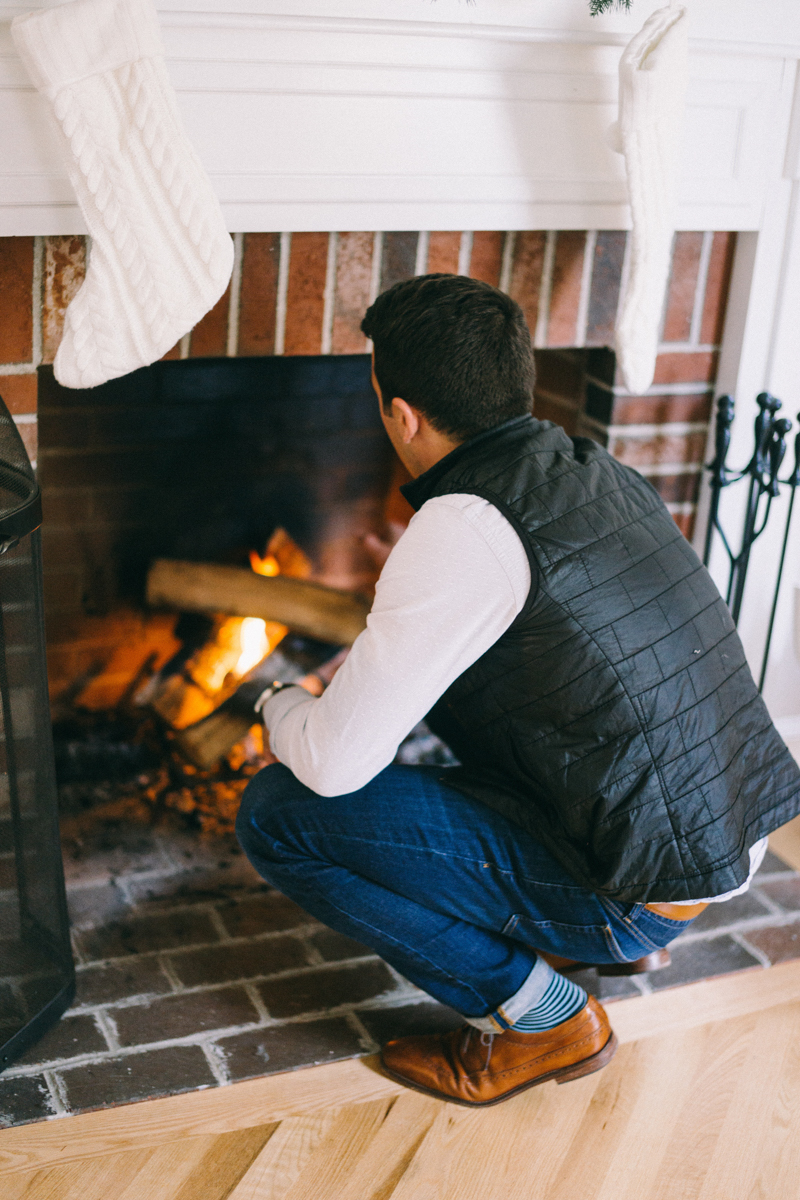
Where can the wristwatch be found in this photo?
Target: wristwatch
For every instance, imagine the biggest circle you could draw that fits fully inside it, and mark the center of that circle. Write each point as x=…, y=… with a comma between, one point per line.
x=268, y=692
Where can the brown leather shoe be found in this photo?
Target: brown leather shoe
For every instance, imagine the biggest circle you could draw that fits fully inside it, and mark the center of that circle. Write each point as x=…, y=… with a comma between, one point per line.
x=478, y=1069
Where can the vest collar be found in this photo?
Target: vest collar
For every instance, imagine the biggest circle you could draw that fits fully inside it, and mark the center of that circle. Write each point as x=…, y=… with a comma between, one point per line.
x=424, y=486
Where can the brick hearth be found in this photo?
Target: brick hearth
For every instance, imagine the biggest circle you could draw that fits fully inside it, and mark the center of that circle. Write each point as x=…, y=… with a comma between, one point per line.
x=193, y=974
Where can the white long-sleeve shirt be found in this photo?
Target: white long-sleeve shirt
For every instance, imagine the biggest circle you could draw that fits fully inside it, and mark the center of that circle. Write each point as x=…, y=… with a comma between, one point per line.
x=450, y=588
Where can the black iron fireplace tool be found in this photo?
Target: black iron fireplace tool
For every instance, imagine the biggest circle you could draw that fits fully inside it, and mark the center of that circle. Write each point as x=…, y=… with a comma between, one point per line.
x=763, y=486
x=37, y=976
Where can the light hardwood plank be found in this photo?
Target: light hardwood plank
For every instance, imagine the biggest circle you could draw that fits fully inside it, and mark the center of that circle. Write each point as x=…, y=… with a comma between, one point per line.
x=224, y=1164
x=700, y=1003
x=92, y=1180
x=746, y=1138
x=508, y=1151
x=215, y=1110
x=275, y=1169
x=162, y=1173
x=344, y=1144
x=635, y=1162
x=696, y=1131
x=785, y=842
x=778, y=1172
x=380, y=1168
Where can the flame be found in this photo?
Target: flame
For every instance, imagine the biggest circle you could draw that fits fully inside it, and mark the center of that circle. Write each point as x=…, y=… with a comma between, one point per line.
x=268, y=565
x=281, y=557
x=236, y=645
x=254, y=642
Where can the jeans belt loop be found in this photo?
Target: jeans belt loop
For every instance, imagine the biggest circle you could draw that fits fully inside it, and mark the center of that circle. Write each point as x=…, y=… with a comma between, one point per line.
x=677, y=912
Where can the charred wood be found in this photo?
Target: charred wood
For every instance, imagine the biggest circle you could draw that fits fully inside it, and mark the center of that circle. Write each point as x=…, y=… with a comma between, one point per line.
x=307, y=608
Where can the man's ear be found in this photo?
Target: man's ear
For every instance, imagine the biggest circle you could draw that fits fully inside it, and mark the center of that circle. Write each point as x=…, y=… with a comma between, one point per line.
x=407, y=419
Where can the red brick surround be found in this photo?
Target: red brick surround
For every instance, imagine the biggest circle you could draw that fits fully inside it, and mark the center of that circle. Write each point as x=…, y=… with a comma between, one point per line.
x=305, y=293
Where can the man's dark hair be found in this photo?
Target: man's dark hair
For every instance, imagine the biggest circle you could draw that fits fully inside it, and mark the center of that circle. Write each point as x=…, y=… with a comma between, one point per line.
x=454, y=348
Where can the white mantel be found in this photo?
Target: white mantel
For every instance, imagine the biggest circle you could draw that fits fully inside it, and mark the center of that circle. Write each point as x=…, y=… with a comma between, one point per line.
x=432, y=114
x=446, y=114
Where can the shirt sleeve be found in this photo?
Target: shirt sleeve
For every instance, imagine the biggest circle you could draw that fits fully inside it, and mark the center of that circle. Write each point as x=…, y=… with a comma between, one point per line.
x=451, y=586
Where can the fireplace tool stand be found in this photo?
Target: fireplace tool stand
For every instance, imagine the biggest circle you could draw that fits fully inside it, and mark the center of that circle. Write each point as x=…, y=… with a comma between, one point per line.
x=37, y=975
x=763, y=486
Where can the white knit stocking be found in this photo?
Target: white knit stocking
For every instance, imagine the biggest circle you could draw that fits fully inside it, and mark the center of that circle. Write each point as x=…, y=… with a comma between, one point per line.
x=160, y=255
x=653, y=74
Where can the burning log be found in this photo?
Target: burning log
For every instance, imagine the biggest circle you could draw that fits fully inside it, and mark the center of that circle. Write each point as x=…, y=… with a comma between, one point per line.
x=209, y=740
x=307, y=608
x=205, y=743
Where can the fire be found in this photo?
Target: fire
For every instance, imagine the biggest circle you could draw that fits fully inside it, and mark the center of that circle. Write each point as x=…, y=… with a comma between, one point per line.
x=268, y=565
x=254, y=642
x=236, y=645
x=282, y=557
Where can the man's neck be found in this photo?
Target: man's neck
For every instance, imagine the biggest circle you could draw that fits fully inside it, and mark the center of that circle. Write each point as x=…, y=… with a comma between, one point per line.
x=423, y=453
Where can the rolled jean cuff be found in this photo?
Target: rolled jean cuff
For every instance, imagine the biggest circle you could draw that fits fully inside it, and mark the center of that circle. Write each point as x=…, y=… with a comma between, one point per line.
x=524, y=999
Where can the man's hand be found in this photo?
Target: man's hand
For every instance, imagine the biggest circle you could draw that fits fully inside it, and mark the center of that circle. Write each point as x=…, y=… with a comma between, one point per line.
x=315, y=683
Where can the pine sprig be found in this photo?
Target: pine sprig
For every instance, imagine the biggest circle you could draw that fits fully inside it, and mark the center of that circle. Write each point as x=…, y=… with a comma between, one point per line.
x=600, y=6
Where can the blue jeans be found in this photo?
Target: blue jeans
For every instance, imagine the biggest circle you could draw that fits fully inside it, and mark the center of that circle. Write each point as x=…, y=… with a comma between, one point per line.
x=448, y=891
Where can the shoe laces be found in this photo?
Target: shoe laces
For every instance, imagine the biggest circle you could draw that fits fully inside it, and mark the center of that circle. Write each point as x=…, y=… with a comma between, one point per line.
x=487, y=1040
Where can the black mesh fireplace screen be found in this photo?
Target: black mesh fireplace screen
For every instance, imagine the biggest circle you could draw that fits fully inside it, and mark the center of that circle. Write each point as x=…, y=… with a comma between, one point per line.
x=37, y=977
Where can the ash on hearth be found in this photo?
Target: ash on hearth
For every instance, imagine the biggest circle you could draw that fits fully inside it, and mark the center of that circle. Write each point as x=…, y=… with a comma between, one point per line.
x=126, y=764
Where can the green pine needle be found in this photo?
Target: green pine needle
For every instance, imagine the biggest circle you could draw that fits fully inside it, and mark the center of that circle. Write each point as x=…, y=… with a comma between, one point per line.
x=600, y=6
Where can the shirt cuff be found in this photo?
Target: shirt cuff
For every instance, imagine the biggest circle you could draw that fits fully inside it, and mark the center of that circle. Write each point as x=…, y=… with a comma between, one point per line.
x=276, y=708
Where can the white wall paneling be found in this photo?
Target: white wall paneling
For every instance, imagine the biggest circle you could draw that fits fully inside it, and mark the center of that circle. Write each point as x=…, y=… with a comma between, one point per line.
x=412, y=115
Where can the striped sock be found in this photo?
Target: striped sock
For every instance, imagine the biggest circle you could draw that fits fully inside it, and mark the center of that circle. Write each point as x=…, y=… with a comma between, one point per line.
x=562, y=1000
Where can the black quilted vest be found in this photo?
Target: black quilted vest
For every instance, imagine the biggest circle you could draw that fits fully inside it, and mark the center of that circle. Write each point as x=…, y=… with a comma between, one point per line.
x=616, y=719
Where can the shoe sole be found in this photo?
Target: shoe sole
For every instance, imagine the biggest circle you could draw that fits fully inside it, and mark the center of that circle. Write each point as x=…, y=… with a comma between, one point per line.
x=586, y=1066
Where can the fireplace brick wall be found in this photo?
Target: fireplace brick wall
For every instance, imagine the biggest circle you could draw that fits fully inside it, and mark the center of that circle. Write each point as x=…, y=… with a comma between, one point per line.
x=305, y=293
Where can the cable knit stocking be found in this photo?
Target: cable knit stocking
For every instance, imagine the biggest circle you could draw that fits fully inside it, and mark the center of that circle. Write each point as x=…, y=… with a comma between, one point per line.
x=653, y=74
x=160, y=256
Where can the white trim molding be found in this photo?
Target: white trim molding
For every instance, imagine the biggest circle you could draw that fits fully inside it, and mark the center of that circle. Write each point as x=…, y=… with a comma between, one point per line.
x=400, y=114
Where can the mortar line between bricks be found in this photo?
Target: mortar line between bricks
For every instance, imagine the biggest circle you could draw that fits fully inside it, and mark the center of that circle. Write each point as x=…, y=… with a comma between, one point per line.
x=200, y=1038
x=216, y=1063
x=107, y=1026
x=169, y=971
x=219, y=925
x=298, y=932
x=192, y=989
x=58, y=1093
x=255, y=999
x=742, y=941
x=768, y=901
x=364, y=1035
x=312, y=954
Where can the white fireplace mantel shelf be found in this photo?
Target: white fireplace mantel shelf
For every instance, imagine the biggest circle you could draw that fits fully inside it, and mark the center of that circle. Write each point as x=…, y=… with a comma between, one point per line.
x=415, y=114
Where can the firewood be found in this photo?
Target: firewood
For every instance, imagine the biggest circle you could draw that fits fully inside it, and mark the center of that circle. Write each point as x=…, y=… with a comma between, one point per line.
x=307, y=608
x=205, y=743
x=209, y=740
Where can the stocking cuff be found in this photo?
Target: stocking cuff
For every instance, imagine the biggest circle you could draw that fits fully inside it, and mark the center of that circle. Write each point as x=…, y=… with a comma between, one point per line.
x=62, y=45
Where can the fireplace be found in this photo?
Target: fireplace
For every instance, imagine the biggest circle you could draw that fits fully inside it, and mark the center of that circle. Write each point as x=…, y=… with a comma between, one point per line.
x=109, y=457
x=259, y=438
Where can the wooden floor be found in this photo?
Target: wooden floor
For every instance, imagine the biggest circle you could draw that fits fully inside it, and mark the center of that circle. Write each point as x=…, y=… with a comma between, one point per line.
x=701, y=1102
